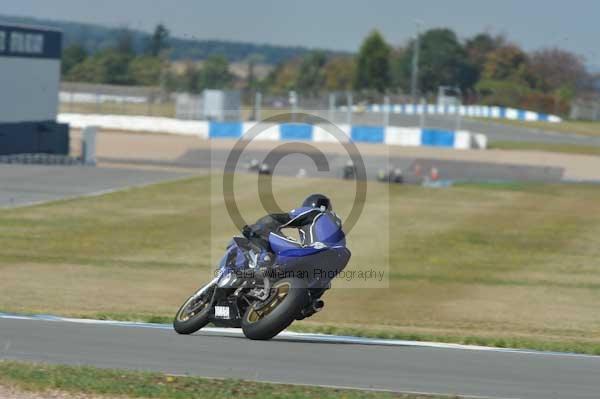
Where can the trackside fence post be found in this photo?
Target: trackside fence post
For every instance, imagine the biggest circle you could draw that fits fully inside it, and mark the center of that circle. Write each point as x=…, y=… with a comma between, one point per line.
x=88, y=145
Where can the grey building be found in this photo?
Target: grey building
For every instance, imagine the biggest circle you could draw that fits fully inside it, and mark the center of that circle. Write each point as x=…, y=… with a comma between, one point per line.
x=29, y=86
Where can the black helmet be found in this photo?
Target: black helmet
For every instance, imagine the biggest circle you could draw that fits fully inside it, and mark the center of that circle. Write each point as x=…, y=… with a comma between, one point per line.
x=317, y=201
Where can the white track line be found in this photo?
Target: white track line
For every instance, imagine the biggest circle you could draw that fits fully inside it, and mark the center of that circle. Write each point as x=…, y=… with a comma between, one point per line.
x=296, y=336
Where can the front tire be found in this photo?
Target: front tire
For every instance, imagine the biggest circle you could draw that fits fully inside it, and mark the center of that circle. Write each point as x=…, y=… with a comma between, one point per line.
x=186, y=323
x=264, y=320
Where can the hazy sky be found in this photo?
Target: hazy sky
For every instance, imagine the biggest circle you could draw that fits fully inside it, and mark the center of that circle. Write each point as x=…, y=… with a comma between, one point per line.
x=339, y=24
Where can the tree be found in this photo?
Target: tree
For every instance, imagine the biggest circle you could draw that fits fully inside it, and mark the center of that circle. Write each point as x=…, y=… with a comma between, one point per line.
x=115, y=67
x=311, y=75
x=72, y=55
x=214, y=74
x=339, y=73
x=480, y=46
x=505, y=93
x=506, y=80
x=145, y=70
x=107, y=66
x=252, y=61
x=506, y=63
x=400, y=73
x=89, y=71
x=442, y=62
x=284, y=77
x=159, y=41
x=125, y=42
x=558, y=70
x=190, y=78
x=373, y=64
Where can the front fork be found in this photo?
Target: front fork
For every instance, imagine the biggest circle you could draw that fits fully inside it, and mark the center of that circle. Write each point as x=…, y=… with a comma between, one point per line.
x=206, y=287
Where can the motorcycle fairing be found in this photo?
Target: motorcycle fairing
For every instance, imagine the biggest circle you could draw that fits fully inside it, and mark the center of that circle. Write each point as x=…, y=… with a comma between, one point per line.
x=321, y=255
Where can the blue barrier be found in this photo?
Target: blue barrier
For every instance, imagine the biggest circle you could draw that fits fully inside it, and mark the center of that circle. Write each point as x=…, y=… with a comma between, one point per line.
x=437, y=138
x=481, y=111
x=296, y=131
x=359, y=134
x=367, y=134
x=225, y=130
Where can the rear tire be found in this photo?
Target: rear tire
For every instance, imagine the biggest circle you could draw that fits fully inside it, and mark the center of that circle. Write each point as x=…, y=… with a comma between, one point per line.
x=291, y=297
x=191, y=324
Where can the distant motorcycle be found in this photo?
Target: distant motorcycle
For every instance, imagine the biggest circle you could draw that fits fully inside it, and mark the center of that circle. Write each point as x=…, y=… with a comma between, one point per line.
x=264, y=296
x=394, y=175
x=260, y=167
x=349, y=171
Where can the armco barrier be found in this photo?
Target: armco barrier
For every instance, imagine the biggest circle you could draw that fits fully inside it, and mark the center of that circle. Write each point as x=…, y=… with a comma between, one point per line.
x=392, y=135
x=361, y=134
x=295, y=132
x=476, y=111
x=437, y=138
x=224, y=130
x=368, y=134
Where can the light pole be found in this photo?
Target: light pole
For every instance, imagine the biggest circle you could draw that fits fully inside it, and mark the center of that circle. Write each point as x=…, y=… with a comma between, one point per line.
x=293, y=100
x=414, y=81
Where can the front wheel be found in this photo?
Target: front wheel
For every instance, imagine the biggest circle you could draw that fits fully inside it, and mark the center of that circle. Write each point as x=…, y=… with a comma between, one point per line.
x=264, y=320
x=194, y=313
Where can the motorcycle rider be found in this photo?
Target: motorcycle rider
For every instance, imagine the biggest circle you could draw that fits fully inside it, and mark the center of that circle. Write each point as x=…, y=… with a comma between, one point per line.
x=302, y=218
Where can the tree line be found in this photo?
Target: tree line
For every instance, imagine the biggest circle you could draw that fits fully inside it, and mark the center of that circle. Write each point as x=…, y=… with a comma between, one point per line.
x=94, y=38
x=484, y=69
x=122, y=64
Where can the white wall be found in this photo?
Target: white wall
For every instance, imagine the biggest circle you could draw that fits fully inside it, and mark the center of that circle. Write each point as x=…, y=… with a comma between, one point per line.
x=28, y=89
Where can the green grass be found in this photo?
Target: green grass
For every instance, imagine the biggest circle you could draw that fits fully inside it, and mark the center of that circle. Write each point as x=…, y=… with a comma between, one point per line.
x=112, y=108
x=586, y=128
x=546, y=147
x=88, y=380
x=167, y=110
x=491, y=264
x=498, y=342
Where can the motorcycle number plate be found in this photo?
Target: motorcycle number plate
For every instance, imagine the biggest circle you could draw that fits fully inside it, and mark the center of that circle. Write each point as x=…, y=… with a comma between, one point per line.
x=222, y=312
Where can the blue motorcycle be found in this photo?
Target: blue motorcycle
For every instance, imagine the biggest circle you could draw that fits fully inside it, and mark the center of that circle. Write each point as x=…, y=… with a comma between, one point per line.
x=264, y=290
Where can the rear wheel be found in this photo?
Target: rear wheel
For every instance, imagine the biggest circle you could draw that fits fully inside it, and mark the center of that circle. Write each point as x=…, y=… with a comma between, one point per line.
x=264, y=320
x=193, y=314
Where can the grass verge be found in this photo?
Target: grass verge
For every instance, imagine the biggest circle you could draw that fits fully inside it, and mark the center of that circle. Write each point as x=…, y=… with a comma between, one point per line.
x=89, y=380
x=546, y=147
x=498, y=342
x=503, y=264
x=585, y=128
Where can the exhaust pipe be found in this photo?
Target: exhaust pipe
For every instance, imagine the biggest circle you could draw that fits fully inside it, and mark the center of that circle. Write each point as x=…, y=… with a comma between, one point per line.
x=310, y=310
x=318, y=305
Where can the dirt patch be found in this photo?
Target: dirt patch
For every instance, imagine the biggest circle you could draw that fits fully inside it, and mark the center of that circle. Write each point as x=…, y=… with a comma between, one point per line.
x=13, y=393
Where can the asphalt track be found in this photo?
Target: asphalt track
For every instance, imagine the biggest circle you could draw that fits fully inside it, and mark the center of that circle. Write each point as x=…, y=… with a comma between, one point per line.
x=22, y=185
x=495, y=131
x=290, y=164
x=398, y=366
